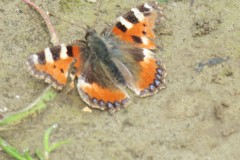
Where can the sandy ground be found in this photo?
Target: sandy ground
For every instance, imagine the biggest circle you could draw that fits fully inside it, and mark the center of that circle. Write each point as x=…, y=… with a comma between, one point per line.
x=195, y=117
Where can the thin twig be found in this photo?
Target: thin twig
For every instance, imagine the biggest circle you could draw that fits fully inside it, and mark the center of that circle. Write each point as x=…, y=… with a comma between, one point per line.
x=54, y=37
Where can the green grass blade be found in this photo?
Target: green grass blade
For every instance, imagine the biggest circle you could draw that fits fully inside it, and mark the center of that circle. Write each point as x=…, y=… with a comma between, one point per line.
x=11, y=150
x=46, y=137
x=38, y=105
x=47, y=147
x=57, y=145
x=27, y=155
x=162, y=1
x=39, y=155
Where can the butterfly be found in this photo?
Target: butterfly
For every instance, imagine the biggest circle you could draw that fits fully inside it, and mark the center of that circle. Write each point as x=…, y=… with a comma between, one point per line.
x=104, y=66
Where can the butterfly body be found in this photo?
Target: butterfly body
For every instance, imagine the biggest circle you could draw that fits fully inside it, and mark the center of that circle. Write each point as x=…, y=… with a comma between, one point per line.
x=105, y=65
x=104, y=48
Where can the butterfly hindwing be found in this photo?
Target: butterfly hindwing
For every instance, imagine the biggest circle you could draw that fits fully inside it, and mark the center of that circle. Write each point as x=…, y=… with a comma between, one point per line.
x=98, y=90
x=144, y=74
x=53, y=64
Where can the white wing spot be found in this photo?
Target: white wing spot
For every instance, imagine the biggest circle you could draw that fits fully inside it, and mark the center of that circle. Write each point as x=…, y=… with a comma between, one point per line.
x=48, y=55
x=34, y=59
x=138, y=14
x=147, y=53
x=145, y=40
x=148, y=6
x=63, y=53
x=66, y=74
x=82, y=83
x=125, y=22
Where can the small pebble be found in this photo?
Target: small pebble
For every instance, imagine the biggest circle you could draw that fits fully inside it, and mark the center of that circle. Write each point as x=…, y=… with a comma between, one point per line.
x=91, y=1
x=87, y=109
x=3, y=109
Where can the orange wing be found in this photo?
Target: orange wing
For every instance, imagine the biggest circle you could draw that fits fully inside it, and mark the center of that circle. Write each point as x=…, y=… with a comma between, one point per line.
x=98, y=90
x=136, y=26
x=145, y=74
x=53, y=64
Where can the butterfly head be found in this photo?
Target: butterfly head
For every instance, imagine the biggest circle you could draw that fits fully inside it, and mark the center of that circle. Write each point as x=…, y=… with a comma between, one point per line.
x=90, y=34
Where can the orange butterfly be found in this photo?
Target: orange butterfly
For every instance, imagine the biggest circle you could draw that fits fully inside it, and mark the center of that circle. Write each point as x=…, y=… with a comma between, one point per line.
x=104, y=65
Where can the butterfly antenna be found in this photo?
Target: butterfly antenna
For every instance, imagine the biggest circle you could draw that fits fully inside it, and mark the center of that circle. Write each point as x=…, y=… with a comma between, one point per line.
x=98, y=11
x=84, y=28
